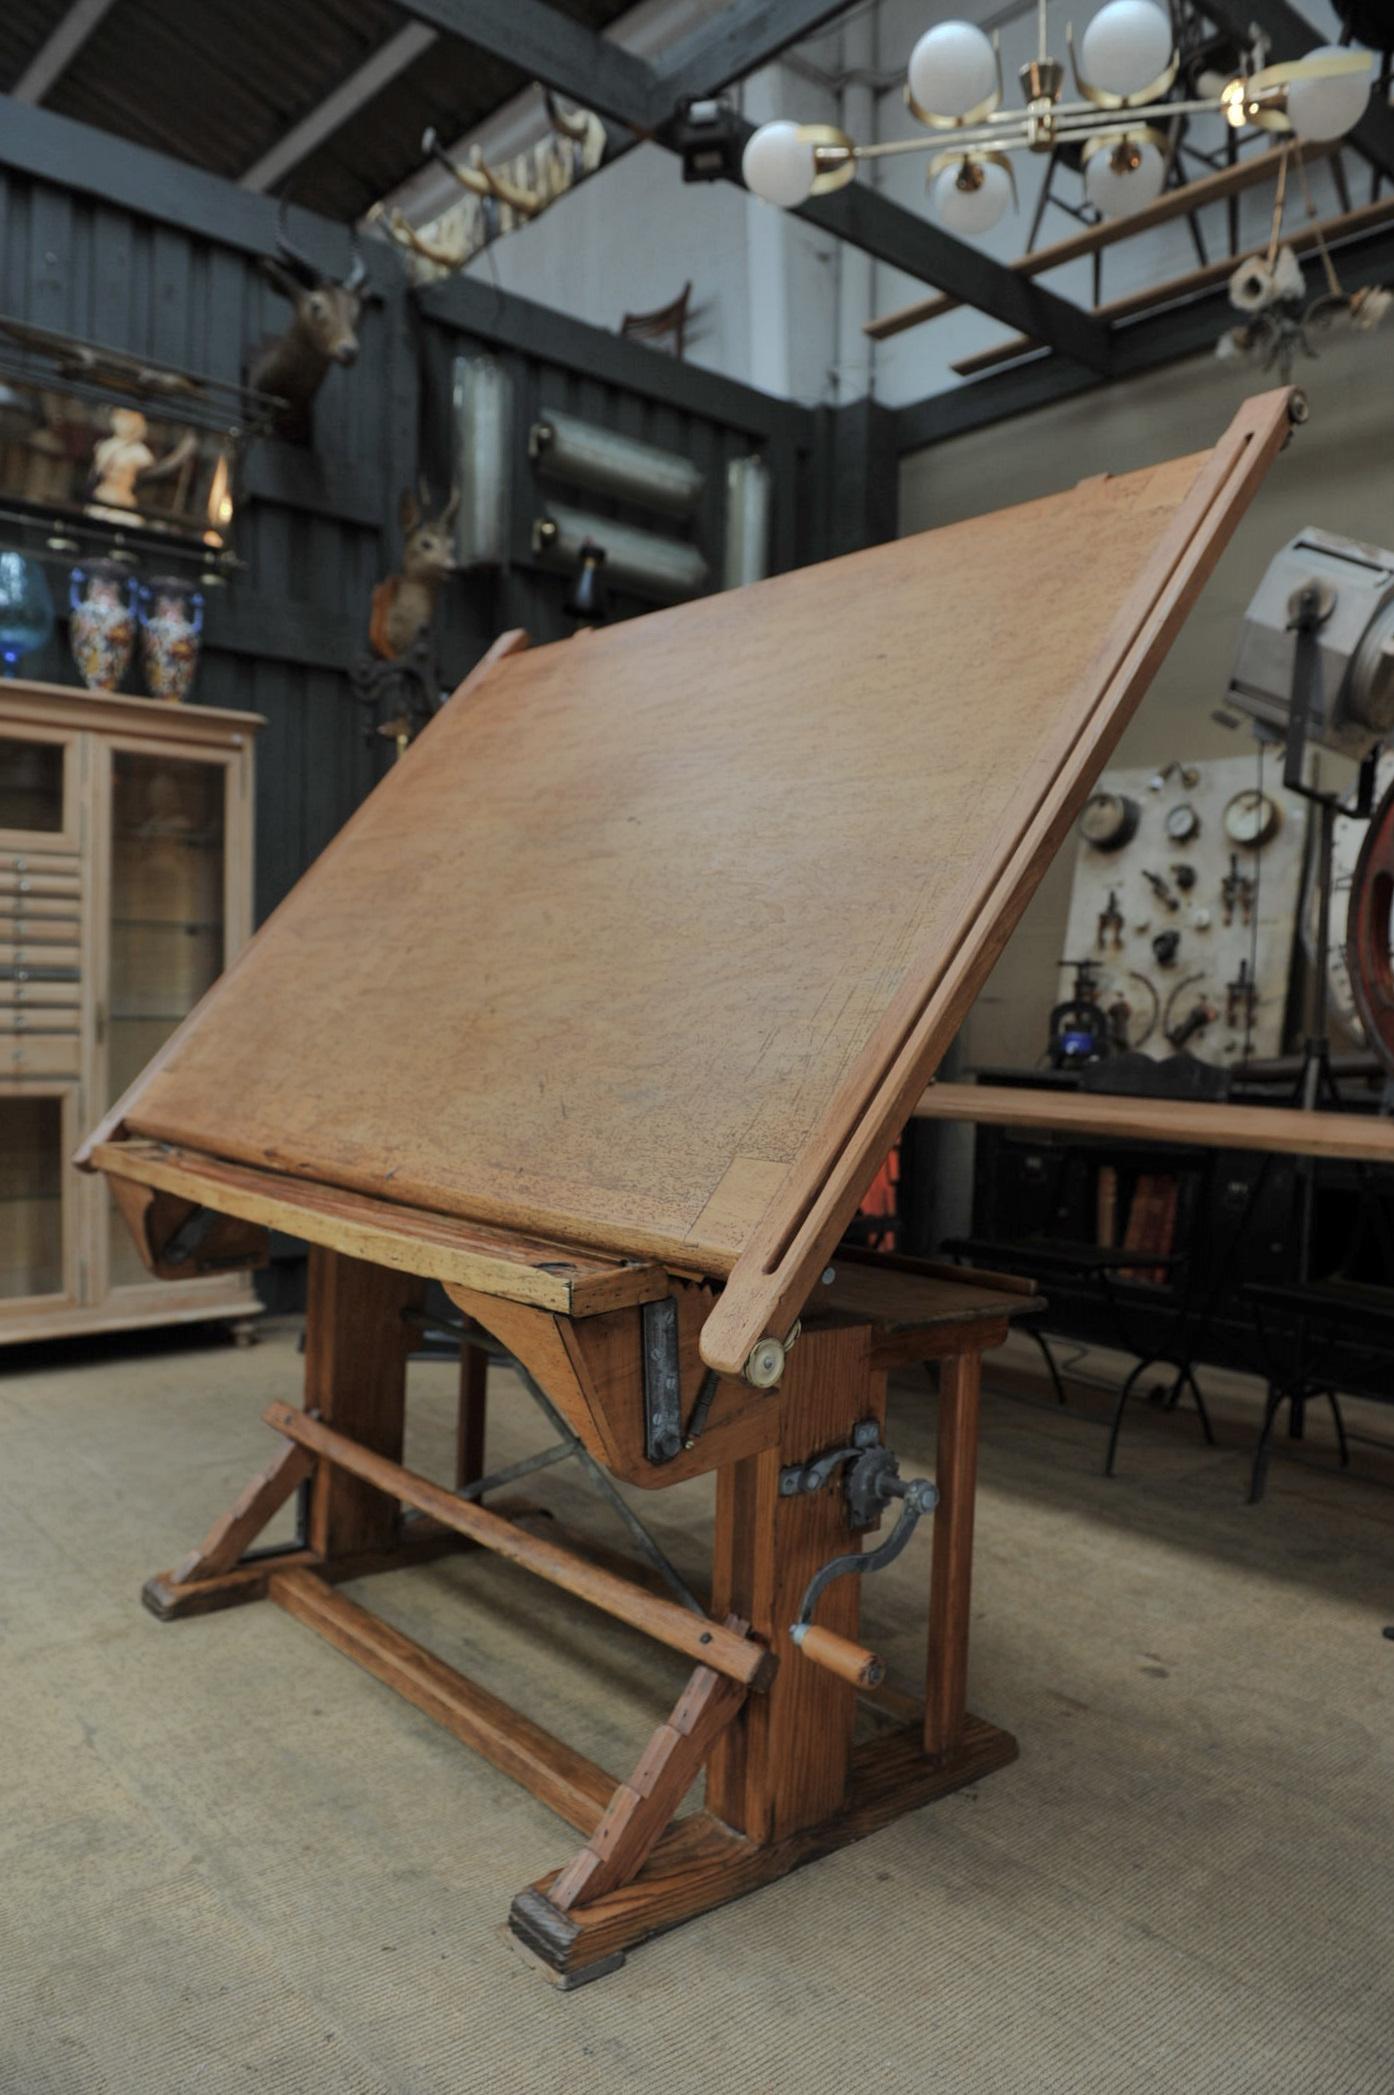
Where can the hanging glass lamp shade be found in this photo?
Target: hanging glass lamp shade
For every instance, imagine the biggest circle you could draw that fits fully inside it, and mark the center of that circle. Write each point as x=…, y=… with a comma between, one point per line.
x=953, y=70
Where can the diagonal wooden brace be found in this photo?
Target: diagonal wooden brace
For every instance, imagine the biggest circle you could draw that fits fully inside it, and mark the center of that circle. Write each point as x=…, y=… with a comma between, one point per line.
x=230, y=1535
x=641, y=1809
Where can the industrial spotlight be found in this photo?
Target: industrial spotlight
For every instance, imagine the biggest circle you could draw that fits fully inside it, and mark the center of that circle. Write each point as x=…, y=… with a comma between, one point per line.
x=707, y=135
x=1125, y=71
x=1340, y=594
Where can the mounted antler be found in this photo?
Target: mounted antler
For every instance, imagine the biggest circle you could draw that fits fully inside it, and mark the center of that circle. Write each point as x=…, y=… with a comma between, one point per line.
x=322, y=331
x=481, y=180
x=288, y=254
x=571, y=123
x=358, y=274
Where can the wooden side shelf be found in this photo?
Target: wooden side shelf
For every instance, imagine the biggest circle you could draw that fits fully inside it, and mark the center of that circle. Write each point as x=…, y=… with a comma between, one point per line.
x=409, y=1240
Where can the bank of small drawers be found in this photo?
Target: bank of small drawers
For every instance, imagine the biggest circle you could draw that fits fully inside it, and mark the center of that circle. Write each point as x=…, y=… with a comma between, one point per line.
x=40, y=973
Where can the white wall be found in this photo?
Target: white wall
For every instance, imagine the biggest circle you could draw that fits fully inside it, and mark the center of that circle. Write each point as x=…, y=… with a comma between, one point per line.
x=1337, y=473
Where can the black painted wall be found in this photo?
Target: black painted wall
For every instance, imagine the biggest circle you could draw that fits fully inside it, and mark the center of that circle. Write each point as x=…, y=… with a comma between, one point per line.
x=138, y=253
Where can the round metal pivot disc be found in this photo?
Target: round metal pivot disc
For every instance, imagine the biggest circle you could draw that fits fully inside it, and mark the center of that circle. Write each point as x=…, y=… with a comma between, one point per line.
x=765, y=1365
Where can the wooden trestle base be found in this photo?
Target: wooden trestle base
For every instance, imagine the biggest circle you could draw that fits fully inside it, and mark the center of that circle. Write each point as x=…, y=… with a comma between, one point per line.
x=772, y=1727
x=700, y=1863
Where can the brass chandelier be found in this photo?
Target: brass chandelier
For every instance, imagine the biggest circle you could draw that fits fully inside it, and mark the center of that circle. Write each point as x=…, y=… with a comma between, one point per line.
x=1124, y=73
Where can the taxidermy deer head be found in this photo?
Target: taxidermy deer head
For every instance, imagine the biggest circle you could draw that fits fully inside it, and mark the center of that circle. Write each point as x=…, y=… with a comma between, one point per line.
x=323, y=330
x=405, y=604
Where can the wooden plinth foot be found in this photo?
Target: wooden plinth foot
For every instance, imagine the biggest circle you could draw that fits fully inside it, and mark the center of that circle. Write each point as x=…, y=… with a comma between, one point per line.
x=700, y=1863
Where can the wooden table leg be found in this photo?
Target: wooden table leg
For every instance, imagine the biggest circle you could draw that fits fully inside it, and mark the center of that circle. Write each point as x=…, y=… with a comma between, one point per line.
x=951, y=1576
x=470, y=1419
x=356, y=1348
x=783, y=1764
x=784, y=1781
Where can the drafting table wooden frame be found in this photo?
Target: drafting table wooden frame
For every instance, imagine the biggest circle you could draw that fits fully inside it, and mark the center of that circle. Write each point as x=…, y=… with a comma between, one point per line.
x=603, y=1011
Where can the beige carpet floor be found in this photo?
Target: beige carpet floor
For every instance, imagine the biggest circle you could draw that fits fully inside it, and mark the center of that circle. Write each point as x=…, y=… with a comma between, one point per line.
x=229, y=1861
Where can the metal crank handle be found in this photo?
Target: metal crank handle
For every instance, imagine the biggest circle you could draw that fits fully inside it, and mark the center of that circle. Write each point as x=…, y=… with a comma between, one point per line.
x=853, y=1662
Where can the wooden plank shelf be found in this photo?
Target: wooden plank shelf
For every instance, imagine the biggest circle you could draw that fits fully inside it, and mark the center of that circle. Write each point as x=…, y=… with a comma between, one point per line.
x=1284, y=1130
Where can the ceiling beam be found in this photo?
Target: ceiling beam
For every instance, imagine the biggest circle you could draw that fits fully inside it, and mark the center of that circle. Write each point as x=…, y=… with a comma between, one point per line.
x=335, y=110
x=59, y=49
x=741, y=38
x=597, y=73
x=549, y=47
x=920, y=248
x=1291, y=35
x=1302, y=240
x=1092, y=239
x=1143, y=345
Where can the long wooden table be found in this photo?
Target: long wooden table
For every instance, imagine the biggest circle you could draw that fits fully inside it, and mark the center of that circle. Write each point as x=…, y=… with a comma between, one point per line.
x=602, y=1013
x=1284, y=1130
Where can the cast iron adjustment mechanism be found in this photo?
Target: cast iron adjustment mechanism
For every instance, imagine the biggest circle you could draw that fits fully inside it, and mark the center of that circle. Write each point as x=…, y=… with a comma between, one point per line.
x=871, y=1478
x=665, y=1435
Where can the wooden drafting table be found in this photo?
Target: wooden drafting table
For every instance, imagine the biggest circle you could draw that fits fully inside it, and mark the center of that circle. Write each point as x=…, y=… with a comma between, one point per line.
x=1282, y=1130
x=603, y=1011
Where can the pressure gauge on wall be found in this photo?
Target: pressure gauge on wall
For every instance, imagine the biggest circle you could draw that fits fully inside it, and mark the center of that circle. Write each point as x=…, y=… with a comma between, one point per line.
x=1251, y=819
x=1109, y=821
x=1182, y=822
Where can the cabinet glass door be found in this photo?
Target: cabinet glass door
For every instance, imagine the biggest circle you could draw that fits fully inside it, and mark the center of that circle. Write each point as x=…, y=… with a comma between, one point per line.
x=38, y=789
x=168, y=920
x=36, y=1136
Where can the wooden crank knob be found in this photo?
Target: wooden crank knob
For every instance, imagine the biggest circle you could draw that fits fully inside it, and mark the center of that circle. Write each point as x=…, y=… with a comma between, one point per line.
x=839, y=1655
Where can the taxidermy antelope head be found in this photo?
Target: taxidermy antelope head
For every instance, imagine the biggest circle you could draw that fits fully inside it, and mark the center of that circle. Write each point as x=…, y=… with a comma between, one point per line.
x=323, y=330
x=404, y=605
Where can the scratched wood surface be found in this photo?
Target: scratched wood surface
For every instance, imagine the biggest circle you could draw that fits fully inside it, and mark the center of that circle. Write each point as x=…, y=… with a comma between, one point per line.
x=609, y=954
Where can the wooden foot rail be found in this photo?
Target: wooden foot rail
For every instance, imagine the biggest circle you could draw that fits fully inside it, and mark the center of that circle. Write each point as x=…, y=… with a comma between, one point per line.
x=562, y=1779
x=706, y=1642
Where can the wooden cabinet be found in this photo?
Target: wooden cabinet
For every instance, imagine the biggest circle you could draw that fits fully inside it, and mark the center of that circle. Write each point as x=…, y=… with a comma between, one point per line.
x=125, y=888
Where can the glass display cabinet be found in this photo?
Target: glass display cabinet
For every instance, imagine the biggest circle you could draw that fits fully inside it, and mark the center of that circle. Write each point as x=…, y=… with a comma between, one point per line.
x=125, y=889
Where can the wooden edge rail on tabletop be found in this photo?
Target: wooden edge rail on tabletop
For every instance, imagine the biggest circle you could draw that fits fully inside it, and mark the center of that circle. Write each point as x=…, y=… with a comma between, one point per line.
x=776, y=1270
x=438, y=1247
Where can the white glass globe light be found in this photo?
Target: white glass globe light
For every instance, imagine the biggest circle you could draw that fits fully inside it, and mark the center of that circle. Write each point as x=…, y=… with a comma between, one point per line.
x=777, y=165
x=1126, y=47
x=953, y=68
x=971, y=200
x=1327, y=108
x=1118, y=189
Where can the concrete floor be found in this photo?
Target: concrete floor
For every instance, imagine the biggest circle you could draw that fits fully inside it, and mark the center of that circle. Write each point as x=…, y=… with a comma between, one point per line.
x=230, y=1861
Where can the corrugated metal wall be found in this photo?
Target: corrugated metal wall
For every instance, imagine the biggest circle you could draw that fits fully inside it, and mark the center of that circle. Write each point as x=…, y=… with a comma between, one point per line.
x=317, y=528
